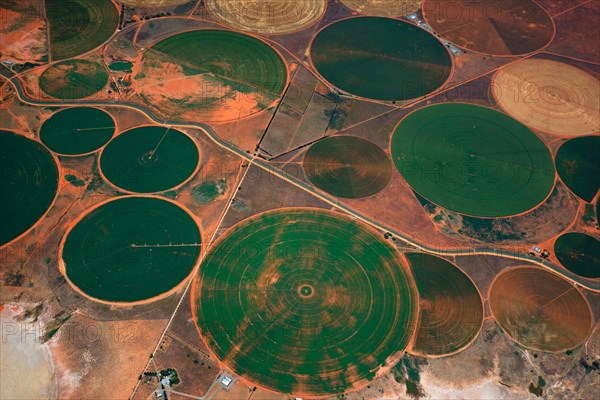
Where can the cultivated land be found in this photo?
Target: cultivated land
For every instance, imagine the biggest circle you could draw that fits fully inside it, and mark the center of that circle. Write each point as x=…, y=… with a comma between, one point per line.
x=29, y=181
x=385, y=8
x=73, y=79
x=267, y=17
x=78, y=26
x=472, y=160
x=578, y=165
x=380, y=58
x=540, y=310
x=78, y=130
x=131, y=249
x=305, y=301
x=347, y=166
x=498, y=27
x=579, y=253
x=217, y=74
x=549, y=96
x=149, y=159
x=451, y=311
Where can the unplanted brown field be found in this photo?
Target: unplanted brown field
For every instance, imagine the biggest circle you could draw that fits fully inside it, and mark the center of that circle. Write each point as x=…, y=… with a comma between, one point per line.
x=549, y=96
x=273, y=17
x=539, y=310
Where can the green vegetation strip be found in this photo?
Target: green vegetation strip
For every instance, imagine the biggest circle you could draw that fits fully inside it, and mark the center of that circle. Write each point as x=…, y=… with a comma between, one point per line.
x=78, y=130
x=451, y=312
x=578, y=165
x=29, y=184
x=131, y=249
x=78, y=26
x=245, y=63
x=472, y=160
x=347, y=166
x=579, y=253
x=305, y=301
x=380, y=58
x=73, y=79
x=149, y=159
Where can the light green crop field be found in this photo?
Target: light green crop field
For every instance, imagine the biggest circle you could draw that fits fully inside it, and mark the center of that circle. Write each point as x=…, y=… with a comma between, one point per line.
x=473, y=160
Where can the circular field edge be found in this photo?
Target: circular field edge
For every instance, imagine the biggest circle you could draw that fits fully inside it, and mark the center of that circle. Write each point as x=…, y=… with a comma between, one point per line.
x=195, y=285
x=559, y=177
x=129, y=192
x=500, y=55
x=316, y=72
x=490, y=108
x=71, y=106
x=390, y=164
x=222, y=22
x=411, y=350
x=273, y=47
x=59, y=184
x=48, y=67
x=120, y=304
x=559, y=276
x=562, y=263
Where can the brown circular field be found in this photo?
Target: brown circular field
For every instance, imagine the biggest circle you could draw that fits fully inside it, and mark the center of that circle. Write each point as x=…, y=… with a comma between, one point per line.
x=154, y=3
x=539, y=310
x=498, y=27
x=451, y=310
x=384, y=8
x=273, y=17
x=549, y=96
x=347, y=166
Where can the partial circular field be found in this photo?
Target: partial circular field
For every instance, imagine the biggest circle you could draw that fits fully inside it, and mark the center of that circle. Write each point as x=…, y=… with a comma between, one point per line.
x=472, y=160
x=384, y=8
x=73, y=79
x=29, y=183
x=130, y=249
x=305, y=302
x=497, y=27
x=210, y=74
x=380, y=58
x=77, y=131
x=578, y=165
x=273, y=17
x=579, y=253
x=549, y=96
x=451, y=310
x=347, y=166
x=539, y=310
x=78, y=26
x=149, y=159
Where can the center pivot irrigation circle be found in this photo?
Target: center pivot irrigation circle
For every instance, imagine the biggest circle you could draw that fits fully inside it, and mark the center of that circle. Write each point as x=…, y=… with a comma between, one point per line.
x=347, y=166
x=77, y=131
x=150, y=159
x=472, y=160
x=130, y=250
x=380, y=58
x=305, y=302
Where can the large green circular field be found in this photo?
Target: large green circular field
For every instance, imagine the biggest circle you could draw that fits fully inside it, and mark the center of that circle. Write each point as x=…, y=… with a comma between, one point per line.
x=578, y=165
x=347, y=166
x=451, y=311
x=239, y=60
x=78, y=26
x=149, y=159
x=73, y=79
x=380, y=58
x=29, y=184
x=579, y=253
x=131, y=249
x=305, y=301
x=78, y=130
x=472, y=160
